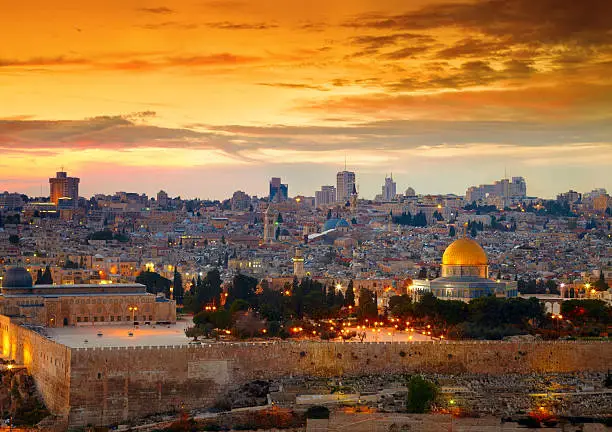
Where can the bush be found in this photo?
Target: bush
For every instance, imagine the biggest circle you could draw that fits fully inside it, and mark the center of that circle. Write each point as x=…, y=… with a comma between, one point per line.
x=421, y=394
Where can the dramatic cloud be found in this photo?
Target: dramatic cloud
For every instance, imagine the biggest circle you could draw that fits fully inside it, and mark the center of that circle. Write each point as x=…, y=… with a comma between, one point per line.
x=458, y=87
x=43, y=61
x=162, y=10
x=298, y=86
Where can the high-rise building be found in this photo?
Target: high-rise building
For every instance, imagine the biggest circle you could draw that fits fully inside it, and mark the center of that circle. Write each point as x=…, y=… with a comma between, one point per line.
x=10, y=201
x=326, y=196
x=389, y=189
x=345, y=182
x=240, y=201
x=569, y=197
x=279, y=192
x=505, y=189
x=63, y=186
x=162, y=199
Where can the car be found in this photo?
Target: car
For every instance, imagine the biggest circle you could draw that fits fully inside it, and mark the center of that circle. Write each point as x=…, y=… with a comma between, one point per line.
x=130, y=334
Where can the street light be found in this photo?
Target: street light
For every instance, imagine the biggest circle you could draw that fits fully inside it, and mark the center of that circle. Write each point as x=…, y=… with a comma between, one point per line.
x=133, y=309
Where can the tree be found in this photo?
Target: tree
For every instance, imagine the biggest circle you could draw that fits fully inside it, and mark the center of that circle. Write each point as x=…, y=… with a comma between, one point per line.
x=367, y=304
x=213, y=279
x=421, y=394
x=452, y=232
x=239, y=305
x=39, y=277
x=329, y=214
x=221, y=319
x=242, y=287
x=473, y=231
x=14, y=239
x=154, y=282
x=422, y=273
x=349, y=298
x=420, y=220
x=179, y=292
x=401, y=306
x=601, y=284
x=47, y=277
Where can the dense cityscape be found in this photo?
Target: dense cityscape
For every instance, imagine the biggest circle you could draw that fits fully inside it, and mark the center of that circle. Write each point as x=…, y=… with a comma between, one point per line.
x=306, y=216
x=401, y=268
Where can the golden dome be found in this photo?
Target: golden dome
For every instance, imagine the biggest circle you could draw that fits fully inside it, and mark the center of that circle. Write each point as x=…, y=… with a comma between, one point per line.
x=464, y=252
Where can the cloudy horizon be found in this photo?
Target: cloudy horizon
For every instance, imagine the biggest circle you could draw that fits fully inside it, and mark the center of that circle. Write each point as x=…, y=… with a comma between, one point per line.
x=202, y=98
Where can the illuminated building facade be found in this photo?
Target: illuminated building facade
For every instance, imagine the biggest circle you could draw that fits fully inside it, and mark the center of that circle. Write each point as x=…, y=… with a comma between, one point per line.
x=63, y=186
x=465, y=275
x=76, y=305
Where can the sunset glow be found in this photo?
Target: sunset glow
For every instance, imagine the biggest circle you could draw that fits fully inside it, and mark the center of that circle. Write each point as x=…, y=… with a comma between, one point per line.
x=202, y=97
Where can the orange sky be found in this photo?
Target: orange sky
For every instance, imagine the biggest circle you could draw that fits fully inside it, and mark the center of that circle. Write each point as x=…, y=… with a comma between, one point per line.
x=202, y=98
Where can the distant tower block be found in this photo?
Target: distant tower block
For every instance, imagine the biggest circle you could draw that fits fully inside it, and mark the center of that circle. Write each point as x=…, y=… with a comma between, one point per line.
x=298, y=263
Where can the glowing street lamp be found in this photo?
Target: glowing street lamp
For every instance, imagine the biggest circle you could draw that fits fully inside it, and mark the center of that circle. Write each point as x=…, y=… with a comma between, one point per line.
x=133, y=309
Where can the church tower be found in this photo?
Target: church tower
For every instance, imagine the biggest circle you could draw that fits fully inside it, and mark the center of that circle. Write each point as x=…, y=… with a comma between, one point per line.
x=354, y=197
x=269, y=226
x=298, y=263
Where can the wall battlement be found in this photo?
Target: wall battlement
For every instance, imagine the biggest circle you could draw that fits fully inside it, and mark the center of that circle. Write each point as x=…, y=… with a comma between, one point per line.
x=110, y=385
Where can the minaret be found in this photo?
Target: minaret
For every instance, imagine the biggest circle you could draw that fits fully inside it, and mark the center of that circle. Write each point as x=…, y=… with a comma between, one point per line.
x=390, y=222
x=269, y=227
x=298, y=263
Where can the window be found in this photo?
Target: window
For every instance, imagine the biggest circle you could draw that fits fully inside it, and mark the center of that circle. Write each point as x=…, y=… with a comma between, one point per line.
x=118, y=317
x=86, y=319
x=78, y=319
x=102, y=318
x=95, y=319
x=112, y=318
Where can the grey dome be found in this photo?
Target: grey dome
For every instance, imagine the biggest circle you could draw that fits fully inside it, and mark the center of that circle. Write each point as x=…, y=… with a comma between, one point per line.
x=17, y=277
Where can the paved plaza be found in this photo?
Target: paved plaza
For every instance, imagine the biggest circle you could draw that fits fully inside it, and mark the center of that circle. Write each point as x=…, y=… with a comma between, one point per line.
x=173, y=334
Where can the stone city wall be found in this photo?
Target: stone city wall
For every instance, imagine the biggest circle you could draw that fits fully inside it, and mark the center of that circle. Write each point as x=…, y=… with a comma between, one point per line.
x=47, y=361
x=114, y=385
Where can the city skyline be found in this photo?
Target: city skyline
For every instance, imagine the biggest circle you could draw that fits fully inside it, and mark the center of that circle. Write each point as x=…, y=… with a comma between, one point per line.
x=401, y=190
x=201, y=99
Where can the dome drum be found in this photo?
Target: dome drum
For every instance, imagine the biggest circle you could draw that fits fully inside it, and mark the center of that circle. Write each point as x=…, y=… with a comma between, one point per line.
x=17, y=277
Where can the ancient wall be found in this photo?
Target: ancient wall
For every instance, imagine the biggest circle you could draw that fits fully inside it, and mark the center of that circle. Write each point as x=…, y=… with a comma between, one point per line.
x=112, y=385
x=47, y=361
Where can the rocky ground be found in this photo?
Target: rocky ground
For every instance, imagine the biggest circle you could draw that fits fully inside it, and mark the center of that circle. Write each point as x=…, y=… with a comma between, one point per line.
x=582, y=394
x=19, y=400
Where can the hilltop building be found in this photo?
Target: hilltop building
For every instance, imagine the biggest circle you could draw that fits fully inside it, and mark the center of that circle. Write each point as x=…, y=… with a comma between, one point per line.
x=503, y=192
x=82, y=304
x=465, y=275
